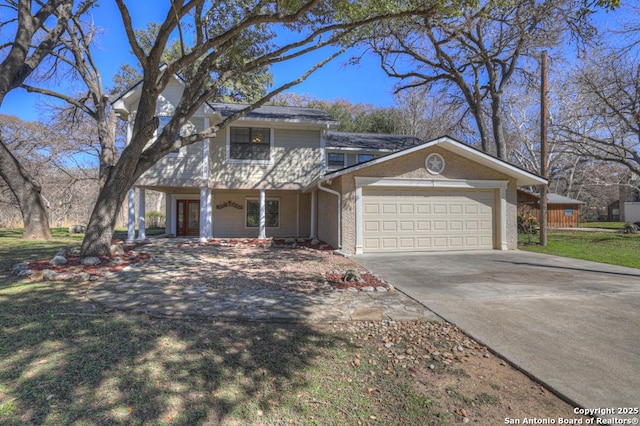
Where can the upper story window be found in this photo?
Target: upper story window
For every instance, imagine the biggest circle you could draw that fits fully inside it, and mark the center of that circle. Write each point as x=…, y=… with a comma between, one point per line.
x=163, y=120
x=365, y=157
x=335, y=159
x=249, y=143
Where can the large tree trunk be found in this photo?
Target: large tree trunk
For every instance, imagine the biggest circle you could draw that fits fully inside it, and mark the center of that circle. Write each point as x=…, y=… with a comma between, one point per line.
x=97, y=239
x=28, y=193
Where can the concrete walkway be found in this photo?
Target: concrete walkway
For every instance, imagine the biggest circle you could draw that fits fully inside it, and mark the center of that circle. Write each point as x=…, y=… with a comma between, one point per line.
x=572, y=324
x=148, y=288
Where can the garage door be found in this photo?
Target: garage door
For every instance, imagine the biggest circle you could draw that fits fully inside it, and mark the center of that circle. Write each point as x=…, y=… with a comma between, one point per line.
x=427, y=220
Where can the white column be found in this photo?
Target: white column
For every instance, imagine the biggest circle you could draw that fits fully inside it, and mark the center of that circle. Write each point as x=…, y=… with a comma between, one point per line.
x=359, y=227
x=263, y=215
x=142, y=235
x=209, y=214
x=503, y=218
x=205, y=214
x=314, y=214
x=131, y=219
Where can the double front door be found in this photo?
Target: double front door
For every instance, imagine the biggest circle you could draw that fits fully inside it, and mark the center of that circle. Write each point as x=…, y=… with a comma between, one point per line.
x=188, y=218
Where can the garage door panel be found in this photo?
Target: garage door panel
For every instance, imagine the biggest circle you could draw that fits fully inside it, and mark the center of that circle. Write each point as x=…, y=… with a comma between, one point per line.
x=414, y=220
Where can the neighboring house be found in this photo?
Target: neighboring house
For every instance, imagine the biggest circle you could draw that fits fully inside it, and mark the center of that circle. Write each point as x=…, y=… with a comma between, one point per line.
x=281, y=172
x=629, y=203
x=562, y=212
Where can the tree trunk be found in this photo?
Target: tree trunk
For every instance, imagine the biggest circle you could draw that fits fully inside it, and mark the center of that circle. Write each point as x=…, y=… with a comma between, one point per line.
x=496, y=120
x=28, y=193
x=97, y=239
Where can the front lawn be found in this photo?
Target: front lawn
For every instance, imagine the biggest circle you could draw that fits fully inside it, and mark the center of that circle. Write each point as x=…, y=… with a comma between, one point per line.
x=14, y=249
x=606, y=247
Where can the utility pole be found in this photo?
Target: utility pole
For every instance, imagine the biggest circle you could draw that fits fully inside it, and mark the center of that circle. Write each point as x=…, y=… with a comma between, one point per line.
x=544, y=154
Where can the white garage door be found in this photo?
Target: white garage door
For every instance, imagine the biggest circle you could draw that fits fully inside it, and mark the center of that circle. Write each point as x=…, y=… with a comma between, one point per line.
x=427, y=220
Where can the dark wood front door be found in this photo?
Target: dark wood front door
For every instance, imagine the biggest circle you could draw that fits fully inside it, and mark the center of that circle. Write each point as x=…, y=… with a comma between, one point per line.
x=188, y=217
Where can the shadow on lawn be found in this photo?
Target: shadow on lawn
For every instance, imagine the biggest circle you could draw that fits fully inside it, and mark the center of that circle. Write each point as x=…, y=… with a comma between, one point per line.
x=63, y=363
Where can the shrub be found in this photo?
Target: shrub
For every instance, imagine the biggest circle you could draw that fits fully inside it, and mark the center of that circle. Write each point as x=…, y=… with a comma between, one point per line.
x=630, y=228
x=154, y=219
x=528, y=224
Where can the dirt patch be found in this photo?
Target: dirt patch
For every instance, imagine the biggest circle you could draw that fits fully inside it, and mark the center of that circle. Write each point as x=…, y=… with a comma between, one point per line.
x=463, y=380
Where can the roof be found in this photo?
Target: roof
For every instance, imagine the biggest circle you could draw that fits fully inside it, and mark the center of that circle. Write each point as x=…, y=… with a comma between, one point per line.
x=275, y=113
x=287, y=114
x=523, y=177
x=370, y=141
x=553, y=198
x=561, y=199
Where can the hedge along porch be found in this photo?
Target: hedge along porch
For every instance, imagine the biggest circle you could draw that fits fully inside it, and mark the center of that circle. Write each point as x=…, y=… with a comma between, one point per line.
x=441, y=195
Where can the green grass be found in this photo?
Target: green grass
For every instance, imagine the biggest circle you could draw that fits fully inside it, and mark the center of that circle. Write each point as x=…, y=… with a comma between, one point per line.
x=614, y=248
x=14, y=249
x=602, y=225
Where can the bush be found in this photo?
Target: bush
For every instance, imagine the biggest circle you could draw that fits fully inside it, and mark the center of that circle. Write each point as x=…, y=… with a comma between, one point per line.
x=528, y=224
x=630, y=228
x=154, y=219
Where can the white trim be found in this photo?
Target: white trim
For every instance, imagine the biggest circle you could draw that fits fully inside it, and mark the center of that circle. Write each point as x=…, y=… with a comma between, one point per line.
x=363, y=150
x=205, y=154
x=142, y=234
x=240, y=161
x=359, y=226
x=503, y=219
x=500, y=210
x=429, y=183
x=522, y=176
x=131, y=219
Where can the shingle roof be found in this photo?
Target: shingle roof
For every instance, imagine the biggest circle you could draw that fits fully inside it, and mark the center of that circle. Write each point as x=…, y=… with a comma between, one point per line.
x=272, y=112
x=372, y=141
x=561, y=199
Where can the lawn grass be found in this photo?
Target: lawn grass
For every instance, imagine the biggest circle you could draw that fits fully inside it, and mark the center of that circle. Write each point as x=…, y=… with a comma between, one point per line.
x=64, y=362
x=14, y=249
x=602, y=225
x=606, y=247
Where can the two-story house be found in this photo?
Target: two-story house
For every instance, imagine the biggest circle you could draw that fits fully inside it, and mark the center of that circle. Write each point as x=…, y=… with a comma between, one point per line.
x=282, y=172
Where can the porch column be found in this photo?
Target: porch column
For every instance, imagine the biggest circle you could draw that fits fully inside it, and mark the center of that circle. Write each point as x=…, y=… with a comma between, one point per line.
x=131, y=219
x=359, y=227
x=142, y=235
x=263, y=214
x=314, y=214
x=504, y=245
x=205, y=214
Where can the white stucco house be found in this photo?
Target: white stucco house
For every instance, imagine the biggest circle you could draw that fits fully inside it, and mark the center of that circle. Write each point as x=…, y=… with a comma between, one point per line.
x=283, y=172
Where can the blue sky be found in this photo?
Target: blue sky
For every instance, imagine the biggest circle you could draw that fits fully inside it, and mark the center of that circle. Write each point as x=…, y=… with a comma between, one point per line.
x=364, y=83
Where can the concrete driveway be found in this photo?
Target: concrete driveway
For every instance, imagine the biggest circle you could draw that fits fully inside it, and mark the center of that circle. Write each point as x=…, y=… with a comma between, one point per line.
x=573, y=325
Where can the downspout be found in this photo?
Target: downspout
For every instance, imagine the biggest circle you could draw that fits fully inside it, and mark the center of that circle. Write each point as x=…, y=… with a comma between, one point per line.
x=337, y=194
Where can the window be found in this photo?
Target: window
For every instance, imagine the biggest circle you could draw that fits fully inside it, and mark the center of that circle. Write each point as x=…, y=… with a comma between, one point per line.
x=163, y=120
x=249, y=143
x=365, y=157
x=336, y=159
x=271, y=216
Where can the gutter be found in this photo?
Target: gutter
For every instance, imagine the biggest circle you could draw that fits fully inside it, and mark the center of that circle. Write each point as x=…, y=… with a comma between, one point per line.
x=337, y=194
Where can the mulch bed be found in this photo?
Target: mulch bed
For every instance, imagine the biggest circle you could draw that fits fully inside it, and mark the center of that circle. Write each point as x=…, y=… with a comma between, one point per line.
x=74, y=264
x=257, y=242
x=368, y=280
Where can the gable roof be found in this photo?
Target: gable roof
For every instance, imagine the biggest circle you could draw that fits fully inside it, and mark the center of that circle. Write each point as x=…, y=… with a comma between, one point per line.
x=523, y=177
x=370, y=141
